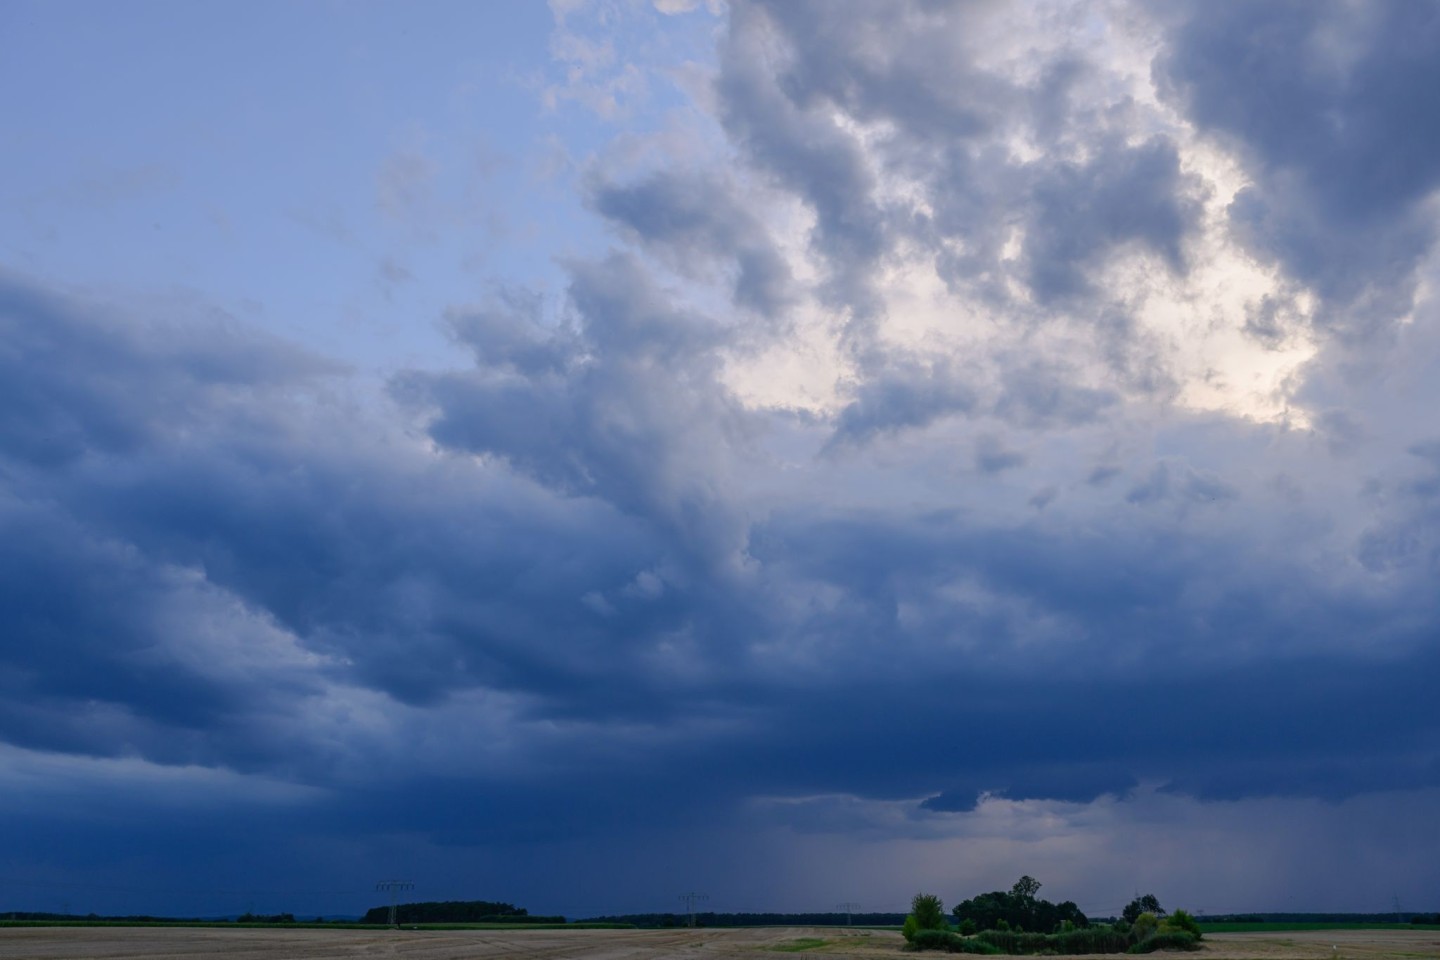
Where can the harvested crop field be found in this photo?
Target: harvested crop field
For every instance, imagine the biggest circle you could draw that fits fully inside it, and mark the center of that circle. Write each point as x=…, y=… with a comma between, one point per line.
x=1313, y=944
x=125, y=943
x=172, y=943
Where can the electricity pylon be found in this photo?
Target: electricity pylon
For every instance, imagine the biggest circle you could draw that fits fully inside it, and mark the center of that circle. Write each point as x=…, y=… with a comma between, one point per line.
x=849, y=908
x=394, y=886
x=690, y=900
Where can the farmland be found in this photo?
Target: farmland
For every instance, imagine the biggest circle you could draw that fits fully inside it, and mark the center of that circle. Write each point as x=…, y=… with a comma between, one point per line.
x=198, y=943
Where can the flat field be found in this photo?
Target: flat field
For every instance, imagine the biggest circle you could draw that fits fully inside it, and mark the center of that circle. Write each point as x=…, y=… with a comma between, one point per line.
x=190, y=943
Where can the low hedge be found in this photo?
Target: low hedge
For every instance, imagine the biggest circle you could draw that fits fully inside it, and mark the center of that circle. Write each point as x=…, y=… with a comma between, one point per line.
x=1167, y=940
x=1089, y=940
x=951, y=942
x=1097, y=939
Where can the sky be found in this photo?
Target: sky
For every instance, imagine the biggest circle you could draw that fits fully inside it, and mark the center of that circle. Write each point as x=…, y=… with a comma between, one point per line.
x=798, y=452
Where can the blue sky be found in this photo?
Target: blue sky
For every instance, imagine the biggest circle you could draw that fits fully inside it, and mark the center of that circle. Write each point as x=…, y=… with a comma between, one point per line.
x=803, y=452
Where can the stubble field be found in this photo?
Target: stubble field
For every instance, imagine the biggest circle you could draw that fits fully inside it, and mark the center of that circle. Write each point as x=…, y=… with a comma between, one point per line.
x=133, y=943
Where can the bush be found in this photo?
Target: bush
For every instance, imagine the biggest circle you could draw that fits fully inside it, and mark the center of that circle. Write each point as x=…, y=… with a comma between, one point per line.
x=928, y=939
x=1182, y=920
x=950, y=942
x=1096, y=939
x=1169, y=940
x=1146, y=925
x=1087, y=940
x=1015, y=942
x=910, y=929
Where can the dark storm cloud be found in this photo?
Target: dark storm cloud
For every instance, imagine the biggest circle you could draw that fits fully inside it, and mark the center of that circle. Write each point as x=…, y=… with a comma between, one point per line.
x=67, y=388
x=1335, y=109
x=87, y=402
x=220, y=506
x=80, y=622
x=422, y=605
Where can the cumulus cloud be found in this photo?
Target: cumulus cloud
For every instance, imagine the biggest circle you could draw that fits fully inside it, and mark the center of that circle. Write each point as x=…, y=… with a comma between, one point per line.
x=697, y=221
x=1340, y=149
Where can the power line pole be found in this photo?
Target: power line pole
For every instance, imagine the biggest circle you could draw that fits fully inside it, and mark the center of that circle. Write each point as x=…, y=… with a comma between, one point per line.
x=690, y=900
x=394, y=886
x=849, y=908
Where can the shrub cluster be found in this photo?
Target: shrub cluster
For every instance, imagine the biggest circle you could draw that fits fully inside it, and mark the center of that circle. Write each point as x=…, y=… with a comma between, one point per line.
x=1182, y=920
x=1167, y=940
x=1095, y=939
x=951, y=942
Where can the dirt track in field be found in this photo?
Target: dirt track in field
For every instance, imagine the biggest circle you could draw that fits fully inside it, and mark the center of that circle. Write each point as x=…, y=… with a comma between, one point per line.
x=134, y=943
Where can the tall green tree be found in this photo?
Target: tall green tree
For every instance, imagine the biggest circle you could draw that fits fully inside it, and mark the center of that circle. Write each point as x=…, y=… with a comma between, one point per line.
x=1018, y=908
x=1025, y=888
x=1145, y=904
x=928, y=911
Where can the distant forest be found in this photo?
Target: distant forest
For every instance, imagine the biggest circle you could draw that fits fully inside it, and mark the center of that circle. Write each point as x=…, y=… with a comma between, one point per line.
x=1391, y=917
x=455, y=911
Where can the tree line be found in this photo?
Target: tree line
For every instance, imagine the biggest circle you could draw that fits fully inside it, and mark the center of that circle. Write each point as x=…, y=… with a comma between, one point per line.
x=455, y=911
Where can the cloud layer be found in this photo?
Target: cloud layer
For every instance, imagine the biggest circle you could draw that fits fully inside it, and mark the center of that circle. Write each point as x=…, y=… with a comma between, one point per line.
x=984, y=434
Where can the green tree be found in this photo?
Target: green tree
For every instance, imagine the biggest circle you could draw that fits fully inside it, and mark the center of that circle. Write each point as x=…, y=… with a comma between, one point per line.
x=1025, y=888
x=1019, y=908
x=928, y=911
x=1145, y=904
